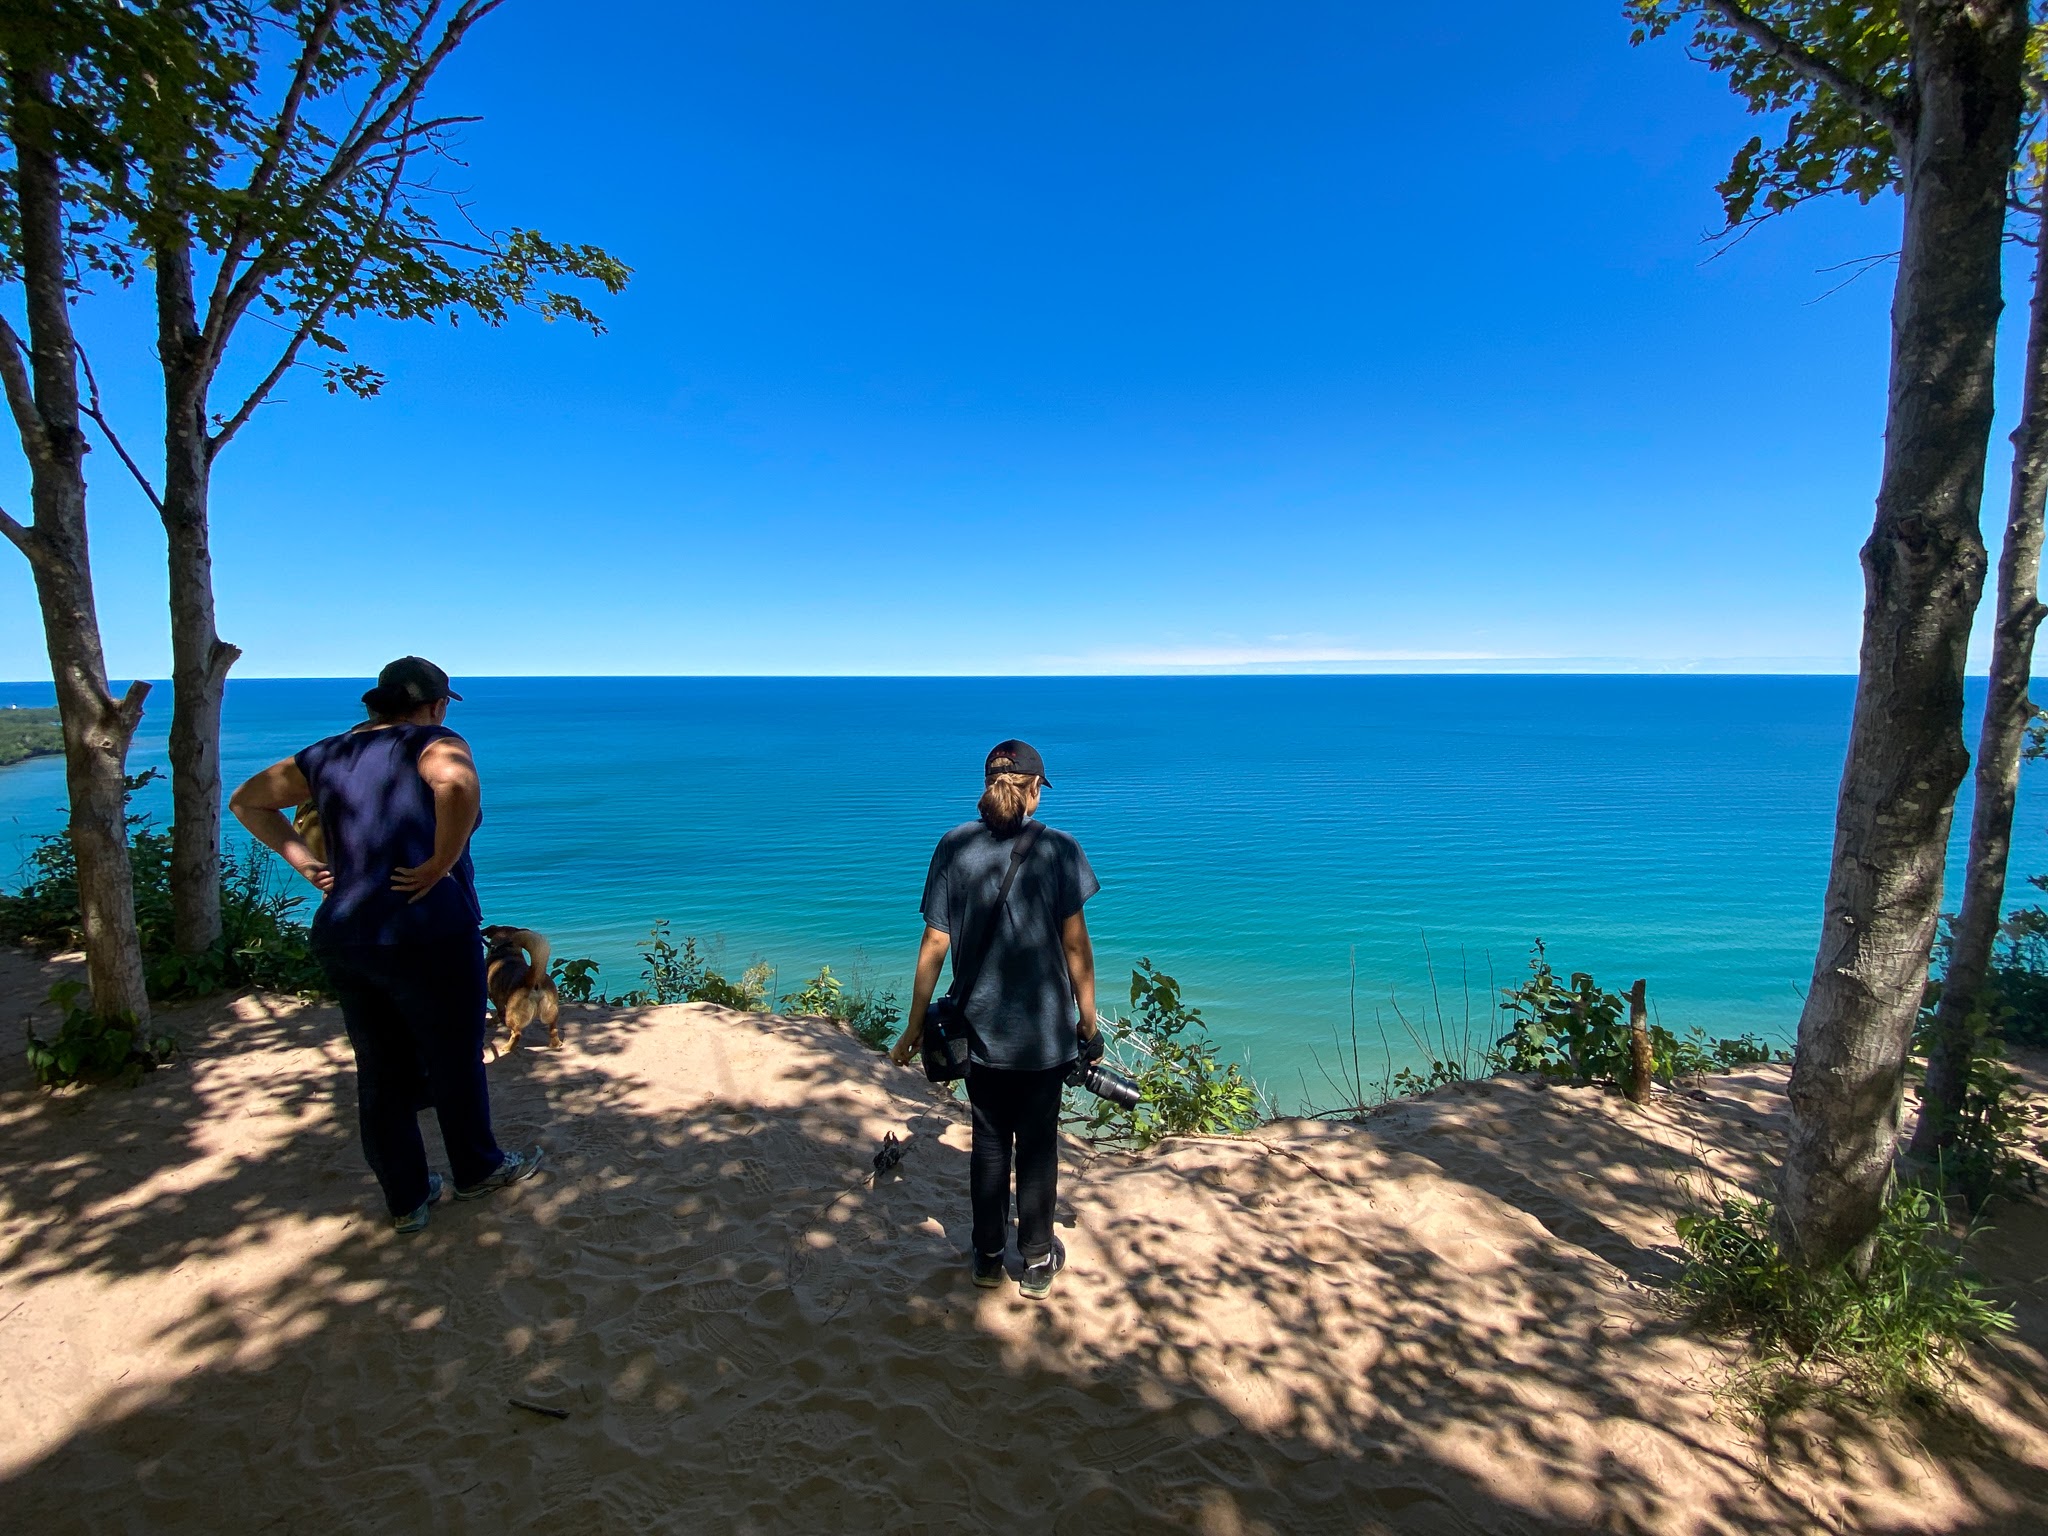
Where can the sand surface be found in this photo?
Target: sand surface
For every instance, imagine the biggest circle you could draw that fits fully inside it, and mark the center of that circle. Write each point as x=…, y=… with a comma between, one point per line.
x=1447, y=1321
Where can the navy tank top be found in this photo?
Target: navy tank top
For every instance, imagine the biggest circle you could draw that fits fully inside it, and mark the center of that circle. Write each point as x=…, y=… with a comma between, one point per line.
x=378, y=816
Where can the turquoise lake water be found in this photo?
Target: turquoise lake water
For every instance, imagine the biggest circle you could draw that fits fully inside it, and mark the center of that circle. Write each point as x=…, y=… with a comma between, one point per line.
x=1254, y=835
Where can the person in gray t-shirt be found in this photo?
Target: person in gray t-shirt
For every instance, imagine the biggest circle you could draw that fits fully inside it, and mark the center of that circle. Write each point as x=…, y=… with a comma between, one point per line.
x=1032, y=1006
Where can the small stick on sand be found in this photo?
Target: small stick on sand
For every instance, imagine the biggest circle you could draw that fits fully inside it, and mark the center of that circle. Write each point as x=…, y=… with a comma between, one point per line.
x=546, y=1413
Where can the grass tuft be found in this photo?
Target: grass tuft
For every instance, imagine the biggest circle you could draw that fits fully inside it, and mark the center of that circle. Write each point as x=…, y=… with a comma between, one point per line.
x=1885, y=1339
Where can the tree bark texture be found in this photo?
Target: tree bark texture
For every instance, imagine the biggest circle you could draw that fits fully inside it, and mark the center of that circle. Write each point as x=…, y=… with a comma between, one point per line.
x=1923, y=568
x=1641, y=1059
x=2007, y=710
x=43, y=399
x=199, y=657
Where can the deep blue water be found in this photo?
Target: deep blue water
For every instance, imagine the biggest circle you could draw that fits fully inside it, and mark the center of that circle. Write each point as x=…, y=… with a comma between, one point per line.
x=1252, y=833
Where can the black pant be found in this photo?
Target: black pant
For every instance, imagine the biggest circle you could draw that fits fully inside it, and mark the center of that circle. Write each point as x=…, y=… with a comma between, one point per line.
x=1019, y=1110
x=416, y=1011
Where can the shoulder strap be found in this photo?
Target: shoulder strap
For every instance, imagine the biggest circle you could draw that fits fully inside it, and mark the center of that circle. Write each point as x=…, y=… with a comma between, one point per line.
x=967, y=960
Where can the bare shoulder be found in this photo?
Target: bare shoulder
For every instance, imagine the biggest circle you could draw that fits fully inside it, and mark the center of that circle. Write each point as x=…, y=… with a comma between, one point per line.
x=445, y=755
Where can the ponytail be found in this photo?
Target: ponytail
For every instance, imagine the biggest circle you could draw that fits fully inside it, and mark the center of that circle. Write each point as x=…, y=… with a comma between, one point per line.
x=1006, y=802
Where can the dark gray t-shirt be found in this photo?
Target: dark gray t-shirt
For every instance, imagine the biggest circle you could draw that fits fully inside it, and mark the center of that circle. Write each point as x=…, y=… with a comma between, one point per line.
x=1022, y=1006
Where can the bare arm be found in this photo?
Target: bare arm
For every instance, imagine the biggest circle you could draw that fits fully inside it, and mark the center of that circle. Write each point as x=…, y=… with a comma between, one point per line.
x=451, y=774
x=931, y=955
x=260, y=805
x=1080, y=969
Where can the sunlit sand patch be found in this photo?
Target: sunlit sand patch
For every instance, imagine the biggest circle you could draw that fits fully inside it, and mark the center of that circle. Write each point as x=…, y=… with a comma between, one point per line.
x=1448, y=1319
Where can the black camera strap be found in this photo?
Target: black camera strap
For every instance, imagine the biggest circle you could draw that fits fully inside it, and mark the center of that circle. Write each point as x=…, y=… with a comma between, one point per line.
x=968, y=959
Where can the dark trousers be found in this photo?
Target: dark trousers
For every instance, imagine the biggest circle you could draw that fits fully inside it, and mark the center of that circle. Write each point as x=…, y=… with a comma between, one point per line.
x=415, y=1015
x=1016, y=1117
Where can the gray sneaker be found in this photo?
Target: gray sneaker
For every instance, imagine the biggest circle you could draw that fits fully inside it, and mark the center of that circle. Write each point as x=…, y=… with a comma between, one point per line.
x=517, y=1166
x=988, y=1270
x=414, y=1221
x=1036, y=1284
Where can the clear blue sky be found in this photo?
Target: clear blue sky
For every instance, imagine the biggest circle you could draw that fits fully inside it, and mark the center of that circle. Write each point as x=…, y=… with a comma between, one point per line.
x=1013, y=338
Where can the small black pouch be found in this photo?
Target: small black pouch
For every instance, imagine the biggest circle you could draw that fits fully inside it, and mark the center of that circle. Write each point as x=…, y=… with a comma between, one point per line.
x=946, y=1041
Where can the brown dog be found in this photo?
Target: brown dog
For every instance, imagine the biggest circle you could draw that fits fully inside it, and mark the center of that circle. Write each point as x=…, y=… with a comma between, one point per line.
x=516, y=975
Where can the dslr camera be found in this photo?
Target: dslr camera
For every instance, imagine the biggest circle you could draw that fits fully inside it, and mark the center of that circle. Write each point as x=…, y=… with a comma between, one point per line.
x=1104, y=1082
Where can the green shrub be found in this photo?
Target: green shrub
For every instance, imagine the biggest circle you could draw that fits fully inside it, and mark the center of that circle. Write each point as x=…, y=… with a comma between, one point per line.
x=1580, y=1033
x=262, y=944
x=1894, y=1332
x=1986, y=1152
x=577, y=981
x=676, y=974
x=1165, y=1046
x=92, y=1049
x=871, y=1015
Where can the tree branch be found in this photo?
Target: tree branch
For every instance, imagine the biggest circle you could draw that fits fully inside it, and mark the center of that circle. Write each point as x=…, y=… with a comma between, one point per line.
x=313, y=318
x=1865, y=98
x=92, y=411
x=22, y=538
x=129, y=710
x=347, y=156
x=273, y=154
x=21, y=394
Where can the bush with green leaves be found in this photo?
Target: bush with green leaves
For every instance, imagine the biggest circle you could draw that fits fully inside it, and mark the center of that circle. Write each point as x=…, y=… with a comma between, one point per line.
x=263, y=943
x=1997, y=1123
x=1579, y=1032
x=1164, y=1045
x=871, y=1015
x=674, y=973
x=1896, y=1331
x=90, y=1049
x=577, y=980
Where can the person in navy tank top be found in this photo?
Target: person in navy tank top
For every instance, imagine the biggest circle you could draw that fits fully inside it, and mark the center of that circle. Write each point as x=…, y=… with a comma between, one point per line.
x=397, y=929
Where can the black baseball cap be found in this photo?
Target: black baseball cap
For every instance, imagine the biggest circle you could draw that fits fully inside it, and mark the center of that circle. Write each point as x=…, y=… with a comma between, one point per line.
x=1013, y=757
x=409, y=681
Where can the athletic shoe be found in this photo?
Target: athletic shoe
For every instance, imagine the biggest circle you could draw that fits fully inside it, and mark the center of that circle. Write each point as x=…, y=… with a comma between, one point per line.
x=1037, y=1282
x=517, y=1166
x=413, y=1221
x=988, y=1270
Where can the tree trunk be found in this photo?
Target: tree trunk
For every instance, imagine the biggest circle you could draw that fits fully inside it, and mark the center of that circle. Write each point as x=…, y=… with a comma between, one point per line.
x=43, y=399
x=1923, y=568
x=97, y=731
x=2007, y=710
x=1641, y=1059
x=199, y=657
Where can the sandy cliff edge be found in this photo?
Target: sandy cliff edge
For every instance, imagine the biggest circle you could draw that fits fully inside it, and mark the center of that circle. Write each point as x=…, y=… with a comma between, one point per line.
x=1448, y=1321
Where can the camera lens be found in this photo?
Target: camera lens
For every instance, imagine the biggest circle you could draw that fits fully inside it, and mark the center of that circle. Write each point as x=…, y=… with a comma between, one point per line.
x=1105, y=1083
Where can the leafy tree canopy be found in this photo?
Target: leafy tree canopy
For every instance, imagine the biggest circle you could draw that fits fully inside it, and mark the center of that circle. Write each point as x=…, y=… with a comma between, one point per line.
x=281, y=149
x=1838, y=71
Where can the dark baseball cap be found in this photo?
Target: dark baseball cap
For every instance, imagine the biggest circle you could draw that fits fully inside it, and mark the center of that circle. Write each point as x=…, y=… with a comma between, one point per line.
x=413, y=680
x=1013, y=757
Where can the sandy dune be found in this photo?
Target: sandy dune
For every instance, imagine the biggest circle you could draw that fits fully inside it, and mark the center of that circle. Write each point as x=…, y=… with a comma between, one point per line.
x=1445, y=1322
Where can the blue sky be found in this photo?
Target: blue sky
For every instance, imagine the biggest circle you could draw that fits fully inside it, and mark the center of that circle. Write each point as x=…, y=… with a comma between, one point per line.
x=1002, y=338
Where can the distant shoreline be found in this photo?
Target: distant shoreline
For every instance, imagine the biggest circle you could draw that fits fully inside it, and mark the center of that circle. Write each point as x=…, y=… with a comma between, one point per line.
x=27, y=734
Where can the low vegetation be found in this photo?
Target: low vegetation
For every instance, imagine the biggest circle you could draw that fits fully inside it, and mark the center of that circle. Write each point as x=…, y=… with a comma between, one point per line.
x=1884, y=1338
x=1164, y=1046
x=27, y=733
x=1578, y=1032
x=90, y=1049
x=264, y=942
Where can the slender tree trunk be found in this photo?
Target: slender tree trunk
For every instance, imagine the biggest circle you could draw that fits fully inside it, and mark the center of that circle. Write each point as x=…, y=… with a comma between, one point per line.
x=2007, y=710
x=43, y=399
x=199, y=657
x=1923, y=569
x=1641, y=1059
x=97, y=731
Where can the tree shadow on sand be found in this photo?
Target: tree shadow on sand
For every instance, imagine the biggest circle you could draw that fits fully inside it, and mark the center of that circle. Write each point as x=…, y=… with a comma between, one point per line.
x=748, y=1330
